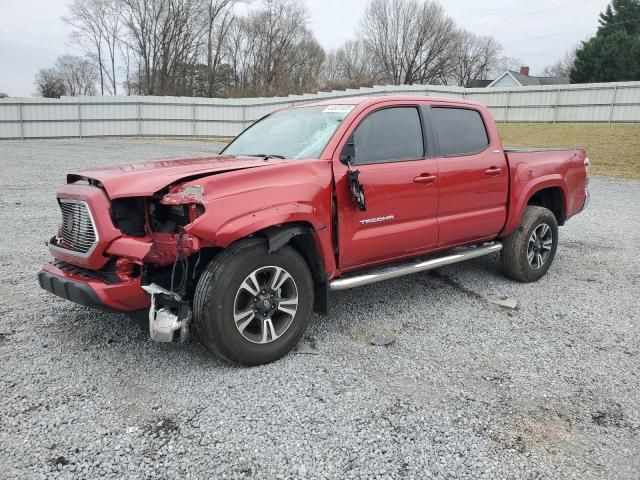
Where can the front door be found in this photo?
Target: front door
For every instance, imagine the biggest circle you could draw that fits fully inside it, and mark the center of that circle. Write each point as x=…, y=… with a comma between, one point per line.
x=400, y=186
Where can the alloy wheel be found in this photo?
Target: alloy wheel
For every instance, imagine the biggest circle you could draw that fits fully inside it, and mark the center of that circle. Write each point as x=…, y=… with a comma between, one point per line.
x=265, y=304
x=540, y=246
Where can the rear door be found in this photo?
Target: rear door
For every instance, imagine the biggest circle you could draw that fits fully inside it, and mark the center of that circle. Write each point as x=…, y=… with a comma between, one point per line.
x=474, y=176
x=400, y=188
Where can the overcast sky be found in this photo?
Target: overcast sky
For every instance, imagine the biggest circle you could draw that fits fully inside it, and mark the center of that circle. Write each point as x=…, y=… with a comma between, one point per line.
x=538, y=32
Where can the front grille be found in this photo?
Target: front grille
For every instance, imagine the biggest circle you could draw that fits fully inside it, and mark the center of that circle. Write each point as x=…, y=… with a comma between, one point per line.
x=77, y=232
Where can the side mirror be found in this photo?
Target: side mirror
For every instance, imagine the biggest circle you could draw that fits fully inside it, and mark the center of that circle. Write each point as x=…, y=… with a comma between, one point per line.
x=357, y=189
x=349, y=151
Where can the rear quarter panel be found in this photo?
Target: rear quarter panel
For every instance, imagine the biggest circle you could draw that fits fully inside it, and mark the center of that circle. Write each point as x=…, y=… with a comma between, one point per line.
x=532, y=171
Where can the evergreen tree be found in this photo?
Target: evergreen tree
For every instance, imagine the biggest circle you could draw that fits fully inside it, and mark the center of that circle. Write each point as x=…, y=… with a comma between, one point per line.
x=621, y=15
x=614, y=53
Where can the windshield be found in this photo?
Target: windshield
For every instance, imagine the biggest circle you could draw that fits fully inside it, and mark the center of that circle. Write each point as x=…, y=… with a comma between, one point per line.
x=296, y=133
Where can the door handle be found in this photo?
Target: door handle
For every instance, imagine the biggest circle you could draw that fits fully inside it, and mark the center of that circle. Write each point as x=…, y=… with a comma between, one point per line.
x=426, y=179
x=493, y=171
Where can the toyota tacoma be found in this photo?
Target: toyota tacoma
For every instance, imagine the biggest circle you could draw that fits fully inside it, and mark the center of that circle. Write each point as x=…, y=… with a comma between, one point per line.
x=244, y=246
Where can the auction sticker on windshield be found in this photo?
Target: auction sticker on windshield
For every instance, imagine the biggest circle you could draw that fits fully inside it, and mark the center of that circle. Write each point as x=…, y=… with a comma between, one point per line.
x=339, y=109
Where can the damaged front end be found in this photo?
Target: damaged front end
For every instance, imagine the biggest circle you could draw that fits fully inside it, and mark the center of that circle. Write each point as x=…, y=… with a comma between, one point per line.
x=170, y=311
x=168, y=315
x=129, y=254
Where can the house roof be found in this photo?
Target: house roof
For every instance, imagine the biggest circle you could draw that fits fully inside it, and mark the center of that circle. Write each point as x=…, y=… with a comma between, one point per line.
x=527, y=80
x=554, y=80
x=479, y=83
x=524, y=80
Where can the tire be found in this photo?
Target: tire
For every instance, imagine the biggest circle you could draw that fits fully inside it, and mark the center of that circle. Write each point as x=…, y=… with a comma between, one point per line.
x=225, y=303
x=526, y=258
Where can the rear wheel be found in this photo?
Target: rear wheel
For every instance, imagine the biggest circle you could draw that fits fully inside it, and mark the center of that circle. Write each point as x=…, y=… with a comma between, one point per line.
x=252, y=307
x=529, y=251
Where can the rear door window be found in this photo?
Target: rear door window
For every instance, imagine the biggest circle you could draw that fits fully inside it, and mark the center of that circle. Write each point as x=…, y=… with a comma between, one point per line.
x=460, y=131
x=389, y=135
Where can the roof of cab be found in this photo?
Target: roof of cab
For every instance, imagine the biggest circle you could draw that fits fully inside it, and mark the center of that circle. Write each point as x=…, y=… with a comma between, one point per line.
x=366, y=101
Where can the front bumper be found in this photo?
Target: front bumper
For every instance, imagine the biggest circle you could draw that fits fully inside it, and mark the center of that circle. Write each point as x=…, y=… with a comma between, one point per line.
x=125, y=296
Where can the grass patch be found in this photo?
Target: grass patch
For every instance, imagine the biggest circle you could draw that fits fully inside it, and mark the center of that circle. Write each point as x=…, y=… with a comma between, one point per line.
x=614, y=149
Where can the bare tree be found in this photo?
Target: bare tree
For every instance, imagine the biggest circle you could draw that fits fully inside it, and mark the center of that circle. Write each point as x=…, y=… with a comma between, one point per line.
x=562, y=68
x=78, y=74
x=472, y=58
x=237, y=47
x=351, y=65
x=275, y=30
x=4, y=95
x=219, y=18
x=49, y=83
x=166, y=36
x=111, y=22
x=410, y=39
x=272, y=51
x=97, y=25
x=306, y=63
x=125, y=55
x=507, y=63
x=205, y=48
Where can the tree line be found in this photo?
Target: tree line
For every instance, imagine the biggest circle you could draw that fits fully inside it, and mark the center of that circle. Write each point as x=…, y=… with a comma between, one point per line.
x=221, y=48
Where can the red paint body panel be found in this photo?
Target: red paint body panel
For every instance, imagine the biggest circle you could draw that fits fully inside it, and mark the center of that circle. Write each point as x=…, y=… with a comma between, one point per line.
x=241, y=203
x=141, y=179
x=533, y=171
x=390, y=192
x=473, y=199
x=473, y=204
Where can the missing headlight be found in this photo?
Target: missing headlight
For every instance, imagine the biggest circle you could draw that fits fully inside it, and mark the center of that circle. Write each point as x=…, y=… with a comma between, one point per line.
x=128, y=216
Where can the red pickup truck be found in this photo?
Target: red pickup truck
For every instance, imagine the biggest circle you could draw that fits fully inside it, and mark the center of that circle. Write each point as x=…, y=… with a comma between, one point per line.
x=324, y=196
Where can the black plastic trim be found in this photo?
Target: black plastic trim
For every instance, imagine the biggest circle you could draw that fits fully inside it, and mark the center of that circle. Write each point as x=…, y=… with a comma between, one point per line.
x=279, y=237
x=77, y=292
x=302, y=238
x=107, y=276
x=429, y=133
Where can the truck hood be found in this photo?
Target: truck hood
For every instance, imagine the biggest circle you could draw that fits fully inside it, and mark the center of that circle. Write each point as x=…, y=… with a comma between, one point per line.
x=141, y=179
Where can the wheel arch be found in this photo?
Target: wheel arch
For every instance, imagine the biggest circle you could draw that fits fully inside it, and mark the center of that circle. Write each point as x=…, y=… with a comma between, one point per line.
x=555, y=195
x=551, y=198
x=302, y=237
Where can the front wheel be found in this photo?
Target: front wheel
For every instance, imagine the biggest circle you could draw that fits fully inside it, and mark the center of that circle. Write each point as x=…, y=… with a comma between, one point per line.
x=252, y=307
x=529, y=251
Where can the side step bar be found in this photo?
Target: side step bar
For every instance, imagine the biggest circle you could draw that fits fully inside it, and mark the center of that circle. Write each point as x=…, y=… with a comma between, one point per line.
x=386, y=273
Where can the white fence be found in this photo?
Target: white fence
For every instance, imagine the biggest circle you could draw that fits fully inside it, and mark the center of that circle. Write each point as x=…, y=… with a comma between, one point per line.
x=22, y=118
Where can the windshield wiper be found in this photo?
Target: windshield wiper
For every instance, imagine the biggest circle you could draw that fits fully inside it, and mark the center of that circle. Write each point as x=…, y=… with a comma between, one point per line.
x=267, y=156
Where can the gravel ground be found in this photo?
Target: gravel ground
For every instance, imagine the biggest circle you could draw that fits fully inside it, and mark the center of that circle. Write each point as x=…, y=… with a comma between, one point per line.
x=468, y=390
